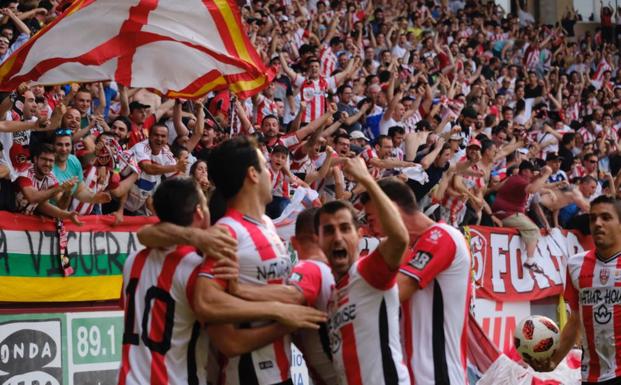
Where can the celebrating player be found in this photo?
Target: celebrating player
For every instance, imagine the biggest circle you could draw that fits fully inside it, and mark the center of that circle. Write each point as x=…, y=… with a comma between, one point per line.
x=594, y=297
x=434, y=289
x=364, y=305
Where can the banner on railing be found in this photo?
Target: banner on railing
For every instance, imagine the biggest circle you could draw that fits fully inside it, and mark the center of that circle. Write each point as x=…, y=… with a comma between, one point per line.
x=30, y=265
x=498, y=255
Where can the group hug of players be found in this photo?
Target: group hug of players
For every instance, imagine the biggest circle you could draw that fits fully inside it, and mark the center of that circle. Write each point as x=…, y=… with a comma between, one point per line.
x=223, y=304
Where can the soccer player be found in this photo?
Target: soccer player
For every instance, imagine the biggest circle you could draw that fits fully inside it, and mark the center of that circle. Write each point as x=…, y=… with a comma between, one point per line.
x=239, y=171
x=363, y=309
x=434, y=289
x=594, y=296
x=163, y=340
x=311, y=284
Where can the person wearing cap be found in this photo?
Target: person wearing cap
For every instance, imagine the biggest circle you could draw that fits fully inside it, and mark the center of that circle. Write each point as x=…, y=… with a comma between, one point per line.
x=141, y=120
x=465, y=189
x=553, y=160
x=510, y=207
x=358, y=138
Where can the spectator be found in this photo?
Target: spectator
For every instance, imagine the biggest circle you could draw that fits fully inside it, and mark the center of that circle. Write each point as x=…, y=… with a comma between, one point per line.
x=155, y=160
x=510, y=207
x=37, y=185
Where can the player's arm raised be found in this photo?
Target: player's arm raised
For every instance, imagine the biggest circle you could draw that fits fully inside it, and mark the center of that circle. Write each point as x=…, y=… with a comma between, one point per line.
x=397, y=238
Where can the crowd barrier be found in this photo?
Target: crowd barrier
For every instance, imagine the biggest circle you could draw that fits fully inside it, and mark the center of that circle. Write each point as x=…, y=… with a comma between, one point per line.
x=48, y=334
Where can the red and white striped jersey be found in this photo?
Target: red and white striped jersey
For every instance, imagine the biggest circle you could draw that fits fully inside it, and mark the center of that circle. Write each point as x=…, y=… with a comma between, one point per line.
x=280, y=183
x=364, y=325
x=593, y=287
x=587, y=136
x=163, y=341
x=367, y=154
x=289, y=140
x=314, y=93
x=532, y=57
x=316, y=282
x=264, y=107
x=29, y=178
x=263, y=260
x=435, y=318
x=327, y=61
x=91, y=180
x=602, y=67
x=454, y=207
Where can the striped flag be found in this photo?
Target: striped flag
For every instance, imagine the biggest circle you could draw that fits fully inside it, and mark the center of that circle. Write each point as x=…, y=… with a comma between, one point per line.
x=180, y=48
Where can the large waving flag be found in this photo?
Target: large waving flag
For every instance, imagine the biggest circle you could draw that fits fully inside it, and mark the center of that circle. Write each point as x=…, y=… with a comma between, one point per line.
x=182, y=48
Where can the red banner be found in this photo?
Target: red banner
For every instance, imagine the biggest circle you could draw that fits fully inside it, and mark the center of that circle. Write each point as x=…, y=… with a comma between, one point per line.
x=498, y=254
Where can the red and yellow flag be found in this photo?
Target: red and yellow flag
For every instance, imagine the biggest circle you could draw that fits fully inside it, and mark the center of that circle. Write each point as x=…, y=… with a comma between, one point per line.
x=180, y=48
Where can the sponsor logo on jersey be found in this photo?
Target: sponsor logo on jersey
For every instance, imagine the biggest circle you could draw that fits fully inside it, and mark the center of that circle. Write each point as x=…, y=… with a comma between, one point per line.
x=270, y=271
x=602, y=315
x=345, y=315
x=600, y=296
x=265, y=365
x=420, y=260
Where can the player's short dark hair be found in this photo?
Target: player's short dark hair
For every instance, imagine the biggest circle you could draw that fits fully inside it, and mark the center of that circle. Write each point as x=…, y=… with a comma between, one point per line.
x=305, y=223
x=228, y=164
x=604, y=199
x=398, y=192
x=175, y=200
x=333, y=207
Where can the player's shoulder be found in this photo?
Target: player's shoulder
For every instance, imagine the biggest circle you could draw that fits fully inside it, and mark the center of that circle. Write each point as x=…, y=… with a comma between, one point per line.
x=313, y=265
x=441, y=233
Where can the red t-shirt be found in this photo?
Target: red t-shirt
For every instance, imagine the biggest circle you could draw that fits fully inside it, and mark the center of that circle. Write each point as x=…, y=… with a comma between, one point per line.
x=511, y=197
x=137, y=134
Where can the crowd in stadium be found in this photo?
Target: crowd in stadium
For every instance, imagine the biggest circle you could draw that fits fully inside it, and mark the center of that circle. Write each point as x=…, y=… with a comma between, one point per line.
x=468, y=104
x=488, y=117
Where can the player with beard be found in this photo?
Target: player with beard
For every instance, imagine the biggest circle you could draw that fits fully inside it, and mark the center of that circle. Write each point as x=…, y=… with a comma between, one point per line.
x=240, y=174
x=364, y=305
x=163, y=340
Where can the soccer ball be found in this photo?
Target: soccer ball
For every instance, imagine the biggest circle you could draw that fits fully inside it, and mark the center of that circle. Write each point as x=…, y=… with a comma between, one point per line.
x=536, y=337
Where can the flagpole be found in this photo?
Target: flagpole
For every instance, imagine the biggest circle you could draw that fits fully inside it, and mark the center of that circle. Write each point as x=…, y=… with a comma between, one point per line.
x=210, y=116
x=232, y=114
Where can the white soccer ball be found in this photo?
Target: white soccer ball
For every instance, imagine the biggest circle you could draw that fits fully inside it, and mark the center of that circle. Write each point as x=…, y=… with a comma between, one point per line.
x=536, y=337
